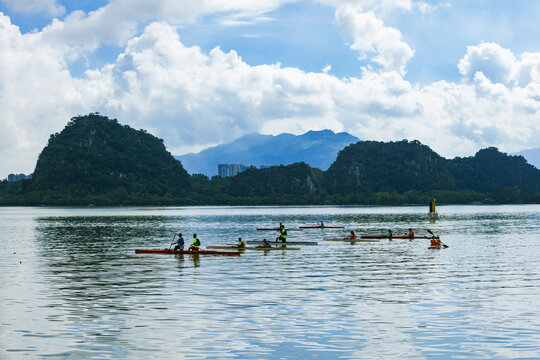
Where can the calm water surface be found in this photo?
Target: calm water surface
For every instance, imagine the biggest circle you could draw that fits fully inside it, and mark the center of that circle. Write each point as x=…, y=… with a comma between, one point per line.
x=72, y=287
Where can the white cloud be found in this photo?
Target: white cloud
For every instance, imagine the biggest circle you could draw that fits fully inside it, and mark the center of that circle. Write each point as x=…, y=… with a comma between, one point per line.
x=384, y=7
x=527, y=69
x=489, y=62
x=193, y=98
x=372, y=38
x=118, y=21
x=495, y=62
x=49, y=7
x=37, y=95
x=379, y=6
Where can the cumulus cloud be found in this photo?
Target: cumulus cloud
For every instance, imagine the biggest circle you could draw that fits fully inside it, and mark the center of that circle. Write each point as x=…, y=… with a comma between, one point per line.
x=192, y=98
x=489, y=63
x=49, y=7
x=37, y=94
x=492, y=60
x=372, y=38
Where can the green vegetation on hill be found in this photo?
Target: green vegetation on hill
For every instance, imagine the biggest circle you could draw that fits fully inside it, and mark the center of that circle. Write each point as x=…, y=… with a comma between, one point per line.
x=372, y=166
x=95, y=160
x=490, y=170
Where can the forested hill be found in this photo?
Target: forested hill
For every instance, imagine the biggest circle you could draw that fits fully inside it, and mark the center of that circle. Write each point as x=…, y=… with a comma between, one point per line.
x=490, y=170
x=96, y=160
x=372, y=166
x=400, y=167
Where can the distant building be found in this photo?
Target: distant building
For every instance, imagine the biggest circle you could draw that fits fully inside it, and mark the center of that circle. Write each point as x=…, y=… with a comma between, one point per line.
x=225, y=170
x=18, y=177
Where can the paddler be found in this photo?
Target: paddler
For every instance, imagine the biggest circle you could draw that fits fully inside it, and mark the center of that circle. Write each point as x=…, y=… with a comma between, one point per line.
x=435, y=241
x=390, y=235
x=241, y=243
x=411, y=234
x=264, y=244
x=179, y=243
x=352, y=235
x=196, y=244
x=282, y=234
x=322, y=224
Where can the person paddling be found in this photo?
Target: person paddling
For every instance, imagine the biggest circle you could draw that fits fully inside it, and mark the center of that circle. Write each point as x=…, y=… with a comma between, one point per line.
x=179, y=244
x=264, y=244
x=390, y=234
x=322, y=224
x=241, y=243
x=435, y=241
x=282, y=234
x=196, y=244
x=352, y=235
x=411, y=234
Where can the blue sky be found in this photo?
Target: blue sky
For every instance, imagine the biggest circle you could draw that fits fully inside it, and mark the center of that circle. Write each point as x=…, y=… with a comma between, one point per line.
x=457, y=75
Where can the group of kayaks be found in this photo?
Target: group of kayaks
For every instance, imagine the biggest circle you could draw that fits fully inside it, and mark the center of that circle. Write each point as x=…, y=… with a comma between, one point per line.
x=279, y=245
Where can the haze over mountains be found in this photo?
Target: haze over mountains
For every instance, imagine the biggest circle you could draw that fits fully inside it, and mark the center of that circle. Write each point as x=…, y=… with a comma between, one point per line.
x=532, y=156
x=318, y=149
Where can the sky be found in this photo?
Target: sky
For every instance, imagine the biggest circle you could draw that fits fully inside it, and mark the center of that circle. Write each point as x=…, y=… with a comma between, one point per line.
x=457, y=75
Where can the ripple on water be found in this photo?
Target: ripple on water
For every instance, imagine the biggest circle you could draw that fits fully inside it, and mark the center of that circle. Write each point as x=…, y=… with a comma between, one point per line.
x=72, y=286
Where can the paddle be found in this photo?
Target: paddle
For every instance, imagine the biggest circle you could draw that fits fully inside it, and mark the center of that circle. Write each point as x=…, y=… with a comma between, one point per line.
x=174, y=237
x=432, y=234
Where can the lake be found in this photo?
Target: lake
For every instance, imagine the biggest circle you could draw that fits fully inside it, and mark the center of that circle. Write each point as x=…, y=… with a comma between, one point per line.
x=72, y=286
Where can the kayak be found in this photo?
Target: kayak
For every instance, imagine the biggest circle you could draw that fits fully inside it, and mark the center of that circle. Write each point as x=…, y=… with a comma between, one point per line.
x=352, y=240
x=322, y=227
x=276, y=229
x=284, y=243
x=200, y=252
x=394, y=237
x=437, y=246
x=252, y=248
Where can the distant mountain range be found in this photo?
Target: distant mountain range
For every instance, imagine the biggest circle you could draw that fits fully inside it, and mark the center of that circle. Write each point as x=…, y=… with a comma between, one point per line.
x=532, y=156
x=318, y=149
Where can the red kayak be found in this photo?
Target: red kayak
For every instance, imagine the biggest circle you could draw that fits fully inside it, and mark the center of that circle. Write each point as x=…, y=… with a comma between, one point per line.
x=394, y=237
x=200, y=252
x=434, y=246
x=322, y=227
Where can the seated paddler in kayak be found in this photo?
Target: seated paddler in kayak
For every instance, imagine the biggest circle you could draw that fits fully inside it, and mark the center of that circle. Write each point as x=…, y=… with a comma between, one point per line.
x=264, y=244
x=322, y=224
x=390, y=234
x=411, y=233
x=196, y=244
x=435, y=241
x=179, y=244
x=241, y=243
x=282, y=234
x=352, y=235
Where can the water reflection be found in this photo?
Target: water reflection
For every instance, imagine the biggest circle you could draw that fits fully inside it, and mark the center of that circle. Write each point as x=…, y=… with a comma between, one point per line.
x=80, y=283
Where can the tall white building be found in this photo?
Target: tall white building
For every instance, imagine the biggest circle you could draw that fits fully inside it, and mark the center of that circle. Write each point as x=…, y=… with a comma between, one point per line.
x=225, y=170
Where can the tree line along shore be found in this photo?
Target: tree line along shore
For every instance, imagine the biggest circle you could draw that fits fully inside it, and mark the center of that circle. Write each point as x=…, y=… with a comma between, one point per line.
x=97, y=161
